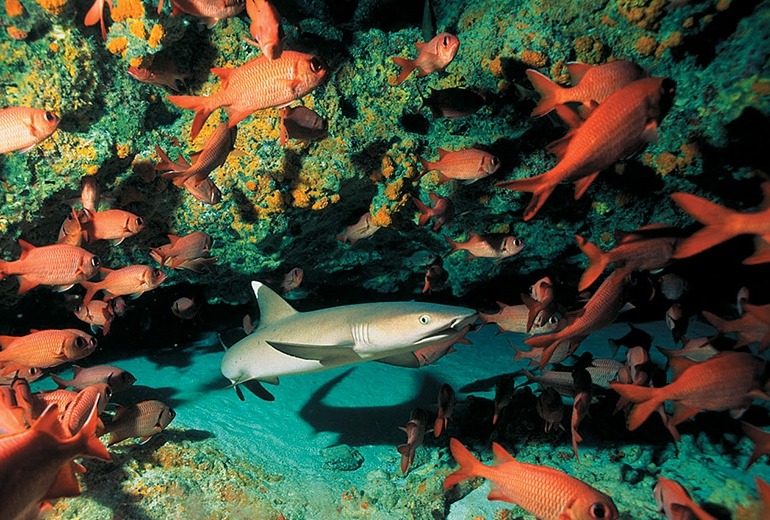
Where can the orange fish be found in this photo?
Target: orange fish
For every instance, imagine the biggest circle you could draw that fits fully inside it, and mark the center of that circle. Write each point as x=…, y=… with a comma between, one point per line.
x=468, y=164
x=112, y=224
x=184, y=308
x=752, y=327
x=44, y=349
x=446, y=404
x=89, y=193
x=35, y=464
x=493, y=245
x=161, y=72
x=99, y=314
x=674, y=502
x=617, y=128
x=29, y=374
x=302, y=124
x=292, y=280
x=132, y=280
x=550, y=408
x=415, y=433
x=540, y=303
x=591, y=84
x=144, y=420
x=260, y=83
x=206, y=192
x=435, y=277
x=191, y=251
x=265, y=27
x=364, y=228
x=214, y=154
x=514, y=318
x=433, y=56
x=546, y=493
x=96, y=15
x=761, y=440
x=598, y=312
x=21, y=128
x=646, y=249
x=722, y=224
x=441, y=212
x=71, y=230
x=727, y=381
x=210, y=10
x=58, y=265
x=77, y=411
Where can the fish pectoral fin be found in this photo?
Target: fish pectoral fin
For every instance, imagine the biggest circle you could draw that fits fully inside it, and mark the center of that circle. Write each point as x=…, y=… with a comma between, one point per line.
x=496, y=494
x=312, y=352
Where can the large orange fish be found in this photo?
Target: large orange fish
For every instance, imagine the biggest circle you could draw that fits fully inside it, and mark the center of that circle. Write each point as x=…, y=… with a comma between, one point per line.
x=433, y=56
x=260, y=83
x=722, y=224
x=44, y=348
x=727, y=381
x=648, y=248
x=546, y=493
x=591, y=84
x=210, y=10
x=21, y=128
x=58, y=265
x=191, y=251
x=214, y=154
x=112, y=224
x=35, y=464
x=601, y=310
x=468, y=164
x=132, y=279
x=674, y=502
x=617, y=128
x=752, y=327
x=441, y=212
x=265, y=27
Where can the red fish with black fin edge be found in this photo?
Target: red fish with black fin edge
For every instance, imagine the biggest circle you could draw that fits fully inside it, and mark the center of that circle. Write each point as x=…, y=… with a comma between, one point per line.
x=591, y=85
x=433, y=56
x=722, y=224
x=258, y=84
x=620, y=126
x=547, y=493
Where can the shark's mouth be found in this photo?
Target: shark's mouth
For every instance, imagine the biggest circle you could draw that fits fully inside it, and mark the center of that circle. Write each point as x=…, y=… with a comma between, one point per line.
x=454, y=329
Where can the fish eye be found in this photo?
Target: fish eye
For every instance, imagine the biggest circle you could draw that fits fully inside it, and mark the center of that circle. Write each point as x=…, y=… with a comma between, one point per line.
x=495, y=161
x=316, y=65
x=139, y=221
x=50, y=117
x=517, y=242
x=156, y=273
x=424, y=319
x=445, y=41
x=95, y=262
x=33, y=371
x=80, y=342
x=108, y=392
x=598, y=510
x=553, y=320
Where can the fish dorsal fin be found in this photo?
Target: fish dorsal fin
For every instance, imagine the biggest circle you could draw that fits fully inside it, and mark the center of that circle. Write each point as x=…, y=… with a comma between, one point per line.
x=501, y=456
x=172, y=238
x=576, y=71
x=26, y=247
x=420, y=45
x=49, y=422
x=76, y=370
x=679, y=365
x=441, y=153
x=272, y=307
x=224, y=75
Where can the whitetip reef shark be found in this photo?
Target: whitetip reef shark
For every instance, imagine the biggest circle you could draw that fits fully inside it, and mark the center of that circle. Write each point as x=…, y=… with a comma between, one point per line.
x=287, y=341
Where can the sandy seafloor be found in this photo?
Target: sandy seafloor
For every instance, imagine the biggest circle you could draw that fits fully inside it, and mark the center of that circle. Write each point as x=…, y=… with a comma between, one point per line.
x=223, y=458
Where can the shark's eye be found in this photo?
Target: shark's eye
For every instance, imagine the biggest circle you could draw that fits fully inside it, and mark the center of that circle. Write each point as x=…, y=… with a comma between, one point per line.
x=424, y=319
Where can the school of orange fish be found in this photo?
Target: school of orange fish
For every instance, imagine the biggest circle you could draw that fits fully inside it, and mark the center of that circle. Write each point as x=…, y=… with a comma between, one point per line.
x=611, y=110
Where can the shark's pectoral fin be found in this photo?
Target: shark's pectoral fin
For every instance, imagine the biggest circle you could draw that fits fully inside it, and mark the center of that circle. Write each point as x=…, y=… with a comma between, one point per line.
x=326, y=354
x=256, y=388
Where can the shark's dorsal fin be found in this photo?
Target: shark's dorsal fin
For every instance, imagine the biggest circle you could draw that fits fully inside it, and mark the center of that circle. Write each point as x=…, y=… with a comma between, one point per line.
x=272, y=307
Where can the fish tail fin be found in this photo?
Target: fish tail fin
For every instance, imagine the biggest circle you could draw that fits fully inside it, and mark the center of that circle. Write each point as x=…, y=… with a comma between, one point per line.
x=439, y=426
x=3, y=267
x=470, y=466
x=424, y=210
x=548, y=91
x=597, y=262
x=407, y=66
x=540, y=188
x=454, y=245
x=202, y=107
x=712, y=216
x=91, y=289
x=716, y=322
x=647, y=400
x=61, y=383
x=761, y=440
x=96, y=15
